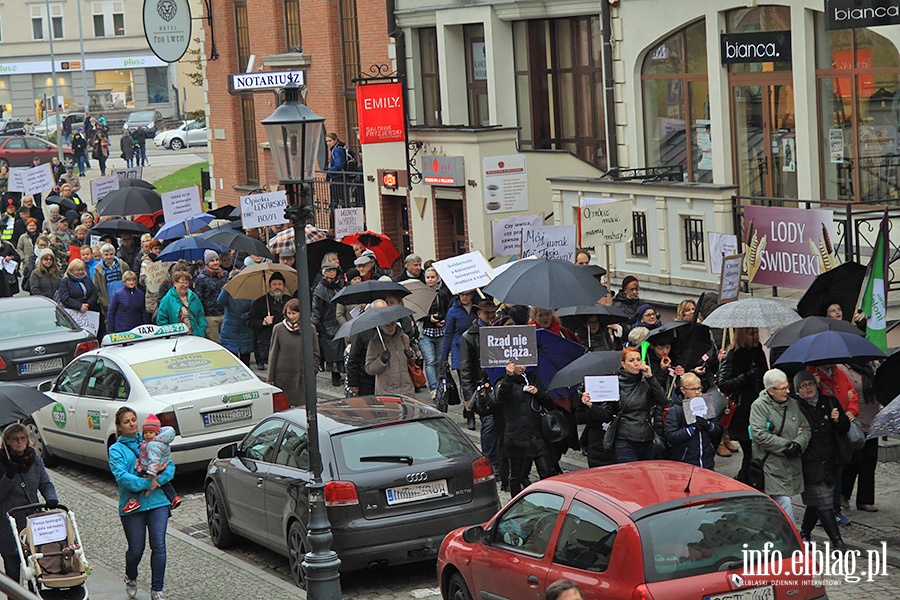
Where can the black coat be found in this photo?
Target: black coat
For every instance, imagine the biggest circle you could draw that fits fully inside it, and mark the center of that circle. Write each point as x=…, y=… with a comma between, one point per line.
x=638, y=395
x=471, y=375
x=325, y=320
x=689, y=443
x=740, y=377
x=356, y=364
x=259, y=310
x=593, y=342
x=72, y=293
x=627, y=305
x=522, y=415
x=594, y=417
x=820, y=456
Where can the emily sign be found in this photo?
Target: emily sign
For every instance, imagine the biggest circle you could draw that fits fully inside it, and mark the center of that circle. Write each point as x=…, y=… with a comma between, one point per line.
x=787, y=247
x=380, y=111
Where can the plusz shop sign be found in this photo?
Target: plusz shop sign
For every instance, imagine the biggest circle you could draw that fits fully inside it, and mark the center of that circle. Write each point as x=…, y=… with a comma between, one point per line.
x=847, y=14
x=757, y=47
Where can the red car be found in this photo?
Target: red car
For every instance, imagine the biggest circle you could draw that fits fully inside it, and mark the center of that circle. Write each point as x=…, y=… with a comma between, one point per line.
x=641, y=531
x=19, y=150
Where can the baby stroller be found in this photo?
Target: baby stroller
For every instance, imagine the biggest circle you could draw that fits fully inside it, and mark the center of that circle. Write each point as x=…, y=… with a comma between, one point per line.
x=50, y=552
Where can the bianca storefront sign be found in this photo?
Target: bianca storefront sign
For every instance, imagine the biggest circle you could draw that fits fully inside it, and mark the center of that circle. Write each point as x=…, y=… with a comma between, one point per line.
x=848, y=14
x=756, y=47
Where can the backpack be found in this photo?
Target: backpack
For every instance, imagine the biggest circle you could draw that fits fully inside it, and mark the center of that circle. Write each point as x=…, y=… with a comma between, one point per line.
x=352, y=164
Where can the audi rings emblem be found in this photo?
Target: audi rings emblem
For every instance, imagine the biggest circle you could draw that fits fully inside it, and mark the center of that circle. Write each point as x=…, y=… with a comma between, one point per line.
x=737, y=581
x=40, y=350
x=417, y=477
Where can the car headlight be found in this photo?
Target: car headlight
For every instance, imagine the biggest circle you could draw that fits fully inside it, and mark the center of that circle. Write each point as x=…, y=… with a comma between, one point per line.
x=151, y=125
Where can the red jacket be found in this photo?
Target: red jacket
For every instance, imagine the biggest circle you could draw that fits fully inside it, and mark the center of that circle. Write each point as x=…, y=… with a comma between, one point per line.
x=837, y=384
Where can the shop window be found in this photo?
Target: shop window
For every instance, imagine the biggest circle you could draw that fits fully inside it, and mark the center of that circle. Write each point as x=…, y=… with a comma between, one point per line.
x=39, y=27
x=639, y=239
x=120, y=84
x=109, y=19
x=676, y=104
x=43, y=88
x=476, y=76
x=5, y=96
x=157, y=85
x=858, y=78
x=752, y=20
x=292, y=25
x=693, y=240
x=431, y=80
x=559, y=86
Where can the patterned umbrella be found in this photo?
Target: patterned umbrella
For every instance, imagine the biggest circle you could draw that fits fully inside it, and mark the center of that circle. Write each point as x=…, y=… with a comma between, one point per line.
x=285, y=239
x=752, y=312
x=887, y=421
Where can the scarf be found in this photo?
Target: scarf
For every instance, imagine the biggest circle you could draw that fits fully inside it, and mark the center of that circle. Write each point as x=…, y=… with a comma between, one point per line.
x=217, y=273
x=290, y=327
x=23, y=461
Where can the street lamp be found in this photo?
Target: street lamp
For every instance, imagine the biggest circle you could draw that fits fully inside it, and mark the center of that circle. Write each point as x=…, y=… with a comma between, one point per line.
x=297, y=140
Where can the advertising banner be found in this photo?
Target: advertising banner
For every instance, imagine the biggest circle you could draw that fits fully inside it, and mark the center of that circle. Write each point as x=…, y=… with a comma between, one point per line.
x=787, y=247
x=505, y=183
x=380, y=111
x=756, y=47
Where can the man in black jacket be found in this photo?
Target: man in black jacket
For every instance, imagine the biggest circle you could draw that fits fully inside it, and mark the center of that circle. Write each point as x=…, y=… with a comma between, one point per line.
x=265, y=313
x=359, y=382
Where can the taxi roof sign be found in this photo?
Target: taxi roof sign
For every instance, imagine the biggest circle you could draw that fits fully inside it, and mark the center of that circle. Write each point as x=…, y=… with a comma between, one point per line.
x=142, y=333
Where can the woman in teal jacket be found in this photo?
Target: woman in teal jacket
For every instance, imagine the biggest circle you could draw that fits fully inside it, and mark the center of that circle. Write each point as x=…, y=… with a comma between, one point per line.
x=182, y=305
x=153, y=515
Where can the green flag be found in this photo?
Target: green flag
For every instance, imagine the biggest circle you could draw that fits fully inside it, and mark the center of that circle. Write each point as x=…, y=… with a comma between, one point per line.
x=873, y=301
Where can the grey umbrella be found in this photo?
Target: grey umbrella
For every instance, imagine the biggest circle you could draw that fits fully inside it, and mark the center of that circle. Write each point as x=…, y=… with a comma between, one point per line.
x=372, y=318
x=752, y=312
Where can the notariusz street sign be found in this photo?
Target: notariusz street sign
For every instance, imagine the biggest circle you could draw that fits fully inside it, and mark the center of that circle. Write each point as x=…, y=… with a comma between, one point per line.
x=246, y=82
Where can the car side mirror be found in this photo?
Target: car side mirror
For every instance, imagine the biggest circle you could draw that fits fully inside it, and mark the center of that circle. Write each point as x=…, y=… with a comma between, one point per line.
x=229, y=451
x=45, y=386
x=473, y=535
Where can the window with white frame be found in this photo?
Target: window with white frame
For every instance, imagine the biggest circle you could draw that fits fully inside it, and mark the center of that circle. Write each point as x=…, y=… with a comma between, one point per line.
x=39, y=24
x=109, y=19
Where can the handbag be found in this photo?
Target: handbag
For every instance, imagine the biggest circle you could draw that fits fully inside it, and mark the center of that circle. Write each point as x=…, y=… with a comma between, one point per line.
x=446, y=394
x=730, y=407
x=855, y=435
x=554, y=426
x=609, y=438
x=416, y=373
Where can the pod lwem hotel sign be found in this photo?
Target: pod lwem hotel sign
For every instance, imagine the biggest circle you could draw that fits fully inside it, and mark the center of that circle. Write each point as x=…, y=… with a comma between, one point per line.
x=848, y=14
x=167, y=27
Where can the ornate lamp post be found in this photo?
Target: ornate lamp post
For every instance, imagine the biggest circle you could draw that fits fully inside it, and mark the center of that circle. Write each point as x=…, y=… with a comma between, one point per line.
x=297, y=140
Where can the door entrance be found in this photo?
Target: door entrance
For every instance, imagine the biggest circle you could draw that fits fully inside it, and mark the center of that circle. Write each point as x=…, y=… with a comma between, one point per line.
x=765, y=149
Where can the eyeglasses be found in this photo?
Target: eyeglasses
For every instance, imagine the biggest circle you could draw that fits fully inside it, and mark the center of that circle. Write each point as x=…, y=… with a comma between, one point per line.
x=692, y=389
x=19, y=438
x=784, y=388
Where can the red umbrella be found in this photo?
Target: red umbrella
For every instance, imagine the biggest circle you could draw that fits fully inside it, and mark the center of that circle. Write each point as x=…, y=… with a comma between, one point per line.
x=385, y=252
x=148, y=221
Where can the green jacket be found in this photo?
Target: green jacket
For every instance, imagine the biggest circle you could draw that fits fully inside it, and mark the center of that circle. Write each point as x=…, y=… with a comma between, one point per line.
x=784, y=476
x=170, y=306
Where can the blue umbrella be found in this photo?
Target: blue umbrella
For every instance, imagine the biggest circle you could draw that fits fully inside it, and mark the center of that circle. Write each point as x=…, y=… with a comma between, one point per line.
x=189, y=248
x=179, y=229
x=554, y=353
x=830, y=347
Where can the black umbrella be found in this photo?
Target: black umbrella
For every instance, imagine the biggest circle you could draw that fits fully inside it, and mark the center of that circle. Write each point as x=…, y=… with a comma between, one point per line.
x=841, y=284
x=226, y=212
x=595, y=271
x=573, y=317
x=591, y=364
x=546, y=284
x=18, y=402
x=316, y=251
x=139, y=183
x=235, y=240
x=372, y=318
x=786, y=336
x=667, y=331
x=887, y=379
x=367, y=291
x=129, y=201
x=831, y=347
x=691, y=342
x=118, y=227
x=65, y=204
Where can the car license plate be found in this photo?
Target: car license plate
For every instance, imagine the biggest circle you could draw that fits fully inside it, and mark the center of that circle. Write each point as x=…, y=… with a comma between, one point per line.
x=40, y=366
x=757, y=593
x=227, y=416
x=416, y=492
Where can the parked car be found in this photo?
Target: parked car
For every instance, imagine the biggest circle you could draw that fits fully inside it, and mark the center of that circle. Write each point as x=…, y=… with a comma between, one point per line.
x=12, y=126
x=189, y=133
x=37, y=339
x=646, y=530
x=19, y=150
x=192, y=384
x=48, y=125
x=144, y=118
x=398, y=476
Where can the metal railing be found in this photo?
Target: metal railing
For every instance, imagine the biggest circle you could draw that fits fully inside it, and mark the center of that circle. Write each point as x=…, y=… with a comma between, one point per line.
x=336, y=189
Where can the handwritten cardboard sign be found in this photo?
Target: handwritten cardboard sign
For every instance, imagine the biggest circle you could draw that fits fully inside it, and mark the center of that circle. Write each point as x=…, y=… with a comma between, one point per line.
x=153, y=274
x=129, y=173
x=347, y=221
x=261, y=210
x=513, y=344
x=602, y=388
x=37, y=179
x=464, y=272
x=605, y=221
x=181, y=204
x=16, y=180
x=730, y=280
x=101, y=186
x=507, y=233
x=549, y=241
x=88, y=320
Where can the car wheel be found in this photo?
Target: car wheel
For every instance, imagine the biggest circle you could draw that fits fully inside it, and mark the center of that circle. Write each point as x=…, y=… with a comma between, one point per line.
x=219, y=531
x=39, y=447
x=176, y=144
x=457, y=588
x=297, y=550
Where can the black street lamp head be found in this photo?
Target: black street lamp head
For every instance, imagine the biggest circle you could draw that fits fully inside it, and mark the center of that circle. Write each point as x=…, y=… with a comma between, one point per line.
x=297, y=139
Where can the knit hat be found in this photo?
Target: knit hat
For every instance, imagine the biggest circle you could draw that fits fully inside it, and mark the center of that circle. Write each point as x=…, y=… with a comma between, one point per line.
x=151, y=423
x=209, y=255
x=276, y=276
x=352, y=273
x=44, y=252
x=801, y=377
x=628, y=279
x=641, y=310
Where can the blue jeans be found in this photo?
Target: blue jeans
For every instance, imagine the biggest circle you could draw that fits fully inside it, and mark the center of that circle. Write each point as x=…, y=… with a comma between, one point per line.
x=785, y=503
x=633, y=451
x=82, y=163
x=136, y=526
x=490, y=443
x=142, y=161
x=430, y=347
x=129, y=162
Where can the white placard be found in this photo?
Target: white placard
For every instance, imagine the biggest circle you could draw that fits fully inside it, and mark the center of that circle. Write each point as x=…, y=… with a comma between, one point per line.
x=464, y=272
x=37, y=179
x=129, y=173
x=48, y=528
x=153, y=274
x=17, y=180
x=602, y=389
x=549, y=241
x=347, y=221
x=261, y=210
x=88, y=320
x=181, y=204
x=102, y=186
x=505, y=183
x=730, y=279
x=605, y=221
x=720, y=245
x=507, y=233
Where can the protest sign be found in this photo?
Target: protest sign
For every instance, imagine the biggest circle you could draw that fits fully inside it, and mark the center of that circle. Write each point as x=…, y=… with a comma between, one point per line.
x=38, y=179
x=347, y=221
x=154, y=273
x=549, y=241
x=16, y=180
x=88, y=320
x=102, y=186
x=507, y=233
x=730, y=280
x=464, y=272
x=261, y=210
x=48, y=528
x=720, y=246
x=181, y=204
x=604, y=221
x=698, y=407
x=129, y=173
x=513, y=344
x=602, y=389
x=505, y=183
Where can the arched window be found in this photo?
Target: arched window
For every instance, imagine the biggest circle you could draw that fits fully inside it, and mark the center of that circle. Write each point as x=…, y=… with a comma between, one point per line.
x=858, y=77
x=676, y=104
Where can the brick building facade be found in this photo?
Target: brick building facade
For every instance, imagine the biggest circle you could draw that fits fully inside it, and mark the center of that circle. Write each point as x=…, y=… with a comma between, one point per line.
x=330, y=39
